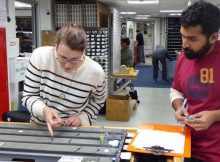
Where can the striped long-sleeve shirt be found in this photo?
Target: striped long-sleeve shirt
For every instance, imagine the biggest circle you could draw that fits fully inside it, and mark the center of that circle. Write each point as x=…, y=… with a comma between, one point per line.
x=45, y=81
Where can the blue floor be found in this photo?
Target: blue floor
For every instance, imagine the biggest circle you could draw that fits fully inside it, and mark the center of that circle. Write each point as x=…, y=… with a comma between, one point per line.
x=145, y=78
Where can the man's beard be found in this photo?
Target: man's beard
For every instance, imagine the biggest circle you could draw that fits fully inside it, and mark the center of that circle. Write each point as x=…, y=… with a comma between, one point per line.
x=190, y=54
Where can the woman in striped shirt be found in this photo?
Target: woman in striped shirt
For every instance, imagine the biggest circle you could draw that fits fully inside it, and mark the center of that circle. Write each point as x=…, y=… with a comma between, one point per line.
x=64, y=87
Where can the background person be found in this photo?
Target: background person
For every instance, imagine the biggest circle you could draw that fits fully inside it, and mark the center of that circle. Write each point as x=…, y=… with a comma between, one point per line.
x=140, y=45
x=197, y=78
x=160, y=55
x=127, y=56
x=62, y=85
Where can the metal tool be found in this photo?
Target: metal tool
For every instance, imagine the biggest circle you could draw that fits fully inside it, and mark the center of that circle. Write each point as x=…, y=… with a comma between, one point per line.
x=157, y=150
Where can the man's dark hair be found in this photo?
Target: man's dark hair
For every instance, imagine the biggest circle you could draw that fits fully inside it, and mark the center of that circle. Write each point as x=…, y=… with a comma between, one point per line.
x=204, y=14
x=125, y=40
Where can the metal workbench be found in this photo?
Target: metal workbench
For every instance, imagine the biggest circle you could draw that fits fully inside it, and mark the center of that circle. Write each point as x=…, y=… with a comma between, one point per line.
x=25, y=141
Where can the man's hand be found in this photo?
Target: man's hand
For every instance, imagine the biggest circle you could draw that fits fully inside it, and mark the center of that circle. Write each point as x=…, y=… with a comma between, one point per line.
x=202, y=120
x=181, y=114
x=73, y=121
x=52, y=119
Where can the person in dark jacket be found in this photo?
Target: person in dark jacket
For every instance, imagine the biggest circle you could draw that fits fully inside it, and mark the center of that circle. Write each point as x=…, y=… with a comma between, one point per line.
x=160, y=55
x=140, y=45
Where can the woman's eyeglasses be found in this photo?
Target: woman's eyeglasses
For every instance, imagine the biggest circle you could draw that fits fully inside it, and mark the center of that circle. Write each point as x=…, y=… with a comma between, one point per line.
x=73, y=61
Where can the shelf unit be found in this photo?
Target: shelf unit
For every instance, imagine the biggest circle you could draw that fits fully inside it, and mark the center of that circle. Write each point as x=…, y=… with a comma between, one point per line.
x=88, y=13
x=98, y=48
x=174, y=38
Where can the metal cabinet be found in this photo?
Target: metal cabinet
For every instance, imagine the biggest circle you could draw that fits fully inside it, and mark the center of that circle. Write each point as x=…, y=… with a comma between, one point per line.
x=4, y=97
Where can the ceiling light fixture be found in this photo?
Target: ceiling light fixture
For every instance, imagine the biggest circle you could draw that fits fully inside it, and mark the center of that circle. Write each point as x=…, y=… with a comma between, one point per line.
x=143, y=15
x=22, y=5
x=127, y=13
x=175, y=14
x=189, y=3
x=171, y=10
x=143, y=1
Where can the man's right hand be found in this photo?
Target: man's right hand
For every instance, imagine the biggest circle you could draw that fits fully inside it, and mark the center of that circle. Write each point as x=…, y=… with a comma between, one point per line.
x=181, y=114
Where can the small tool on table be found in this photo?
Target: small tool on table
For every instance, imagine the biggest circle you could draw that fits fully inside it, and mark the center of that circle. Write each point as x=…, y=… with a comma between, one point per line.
x=157, y=150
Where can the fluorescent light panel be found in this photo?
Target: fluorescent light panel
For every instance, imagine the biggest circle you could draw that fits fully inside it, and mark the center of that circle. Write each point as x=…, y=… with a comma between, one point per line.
x=175, y=14
x=141, y=18
x=22, y=5
x=171, y=10
x=127, y=13
x=143, y=15
x=143, y=2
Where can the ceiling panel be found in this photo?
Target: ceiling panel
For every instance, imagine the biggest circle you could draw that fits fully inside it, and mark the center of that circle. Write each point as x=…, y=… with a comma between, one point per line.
x=153, y=9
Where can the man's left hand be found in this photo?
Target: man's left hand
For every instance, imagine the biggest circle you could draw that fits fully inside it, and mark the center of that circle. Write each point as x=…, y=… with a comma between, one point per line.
x=202, y=120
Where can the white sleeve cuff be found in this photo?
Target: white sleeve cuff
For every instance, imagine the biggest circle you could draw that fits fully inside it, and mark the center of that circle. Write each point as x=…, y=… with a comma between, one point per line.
x=84, y=119
x=38, y=107
x=174, y=94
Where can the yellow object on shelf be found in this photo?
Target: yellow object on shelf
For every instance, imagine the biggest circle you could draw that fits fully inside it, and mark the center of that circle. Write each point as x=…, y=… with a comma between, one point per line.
x=123, y=69
x=12, y=106
x=131, y=70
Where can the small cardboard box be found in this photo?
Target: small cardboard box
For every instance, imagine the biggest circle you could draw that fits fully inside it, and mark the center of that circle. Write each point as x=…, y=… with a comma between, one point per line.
x=118, y=108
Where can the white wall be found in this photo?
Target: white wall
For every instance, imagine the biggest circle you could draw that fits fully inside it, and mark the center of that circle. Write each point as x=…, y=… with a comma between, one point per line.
x=2, y=4
x=160, y=32
x=149, y=39
x=23, y=12
x=133, y=25
x=11, y=35
x=115, y=47
x=11, y=32
x=45, y=20
x=116, y=40
x=3, y=13
x=163, y=38
x=157, y=32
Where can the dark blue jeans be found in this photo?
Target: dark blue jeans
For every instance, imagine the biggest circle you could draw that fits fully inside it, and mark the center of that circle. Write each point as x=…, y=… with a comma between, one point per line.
x=141, y=53
x=155, y=62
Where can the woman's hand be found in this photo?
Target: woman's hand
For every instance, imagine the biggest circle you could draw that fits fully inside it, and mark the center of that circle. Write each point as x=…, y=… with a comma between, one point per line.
x=73, y=121
x=52, y=119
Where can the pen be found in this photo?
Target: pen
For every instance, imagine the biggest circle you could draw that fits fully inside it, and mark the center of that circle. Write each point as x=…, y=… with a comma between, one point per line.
x=190, y=118
x=183, y=106
x=184, y=103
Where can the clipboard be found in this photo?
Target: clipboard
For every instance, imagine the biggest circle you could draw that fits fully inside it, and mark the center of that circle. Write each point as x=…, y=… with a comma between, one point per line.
x=167, y=128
